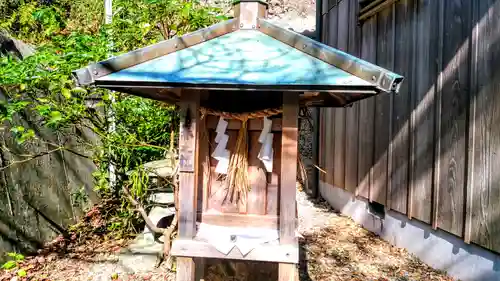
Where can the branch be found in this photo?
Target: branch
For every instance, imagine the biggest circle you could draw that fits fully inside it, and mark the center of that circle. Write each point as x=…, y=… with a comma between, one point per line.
x=139, y=208
x=32, y=157
x=35, y=156
x=146, y=145
x=70, y=150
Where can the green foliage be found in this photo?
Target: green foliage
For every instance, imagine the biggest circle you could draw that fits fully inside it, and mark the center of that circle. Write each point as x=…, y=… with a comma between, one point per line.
x=13, y=262
x=9, y=265
x=68, y=35
x=22, y=272
x=15, y=256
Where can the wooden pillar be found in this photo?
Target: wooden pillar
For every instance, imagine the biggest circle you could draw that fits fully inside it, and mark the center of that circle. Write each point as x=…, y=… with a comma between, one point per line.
x=188, y=180
x=289, y=150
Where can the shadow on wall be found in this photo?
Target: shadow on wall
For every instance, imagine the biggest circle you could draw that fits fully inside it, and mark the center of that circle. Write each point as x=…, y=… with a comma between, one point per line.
x=443, y=144
x=37, y=197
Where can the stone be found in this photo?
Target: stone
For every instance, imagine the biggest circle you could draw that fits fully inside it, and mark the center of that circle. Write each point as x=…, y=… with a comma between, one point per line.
x=139, y=262
x=162, y=198
x=17, y=48
x=161, y=168
x=159, y=214
x=144, y=253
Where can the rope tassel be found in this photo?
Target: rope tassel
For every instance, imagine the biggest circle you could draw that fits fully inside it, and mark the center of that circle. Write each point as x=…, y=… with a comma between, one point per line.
x=237, y=183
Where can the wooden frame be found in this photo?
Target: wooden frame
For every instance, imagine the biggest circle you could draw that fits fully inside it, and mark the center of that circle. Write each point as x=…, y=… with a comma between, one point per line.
x=191, y=252
x=287, y=254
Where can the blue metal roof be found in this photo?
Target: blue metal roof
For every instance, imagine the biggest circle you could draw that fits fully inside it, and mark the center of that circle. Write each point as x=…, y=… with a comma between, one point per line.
x=242, y=57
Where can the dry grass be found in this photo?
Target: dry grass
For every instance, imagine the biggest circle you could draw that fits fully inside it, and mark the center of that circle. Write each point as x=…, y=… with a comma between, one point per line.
x=237, y=182
x=342, y=250
x=349, y=252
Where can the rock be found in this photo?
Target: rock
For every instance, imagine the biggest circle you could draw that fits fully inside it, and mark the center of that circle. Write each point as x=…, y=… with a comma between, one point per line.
x=158, y=214
x=165, y=198
x=141, y=256
x=160, y=168
x=145, y=243
x=14, y=47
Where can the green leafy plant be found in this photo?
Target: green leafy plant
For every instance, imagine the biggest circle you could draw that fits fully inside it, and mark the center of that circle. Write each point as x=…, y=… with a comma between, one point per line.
x=39, y=94
x=14, y=260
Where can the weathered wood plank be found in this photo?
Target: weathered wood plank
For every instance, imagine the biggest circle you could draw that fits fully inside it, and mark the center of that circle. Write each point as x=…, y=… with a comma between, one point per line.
x=188, y=152
x=401, y=107
x=313, y=176
x=329, y=145
x=188, y=177
x=288, y=214
x=469, y=193
x=256, y=202
x=333, y=23
x=330, y=136
x=385, y=56
x=453, y=117
x=322, y=145
x=185, y=270
x=204, y=167
x=268, y=253
x=340, y=114
x=273, y=179
x=325, y=29
x=352, y=113
x=390, y=151
x=423, y=116
x=485, y=131
x=366, y=112
x=240, y=220
x=289, y=138
x=288, y=272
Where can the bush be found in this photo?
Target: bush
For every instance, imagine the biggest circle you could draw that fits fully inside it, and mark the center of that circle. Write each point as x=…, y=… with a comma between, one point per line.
x=70, y=35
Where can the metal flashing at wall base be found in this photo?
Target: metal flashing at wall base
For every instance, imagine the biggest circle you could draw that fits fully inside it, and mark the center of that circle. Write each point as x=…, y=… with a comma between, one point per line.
x=437, y=248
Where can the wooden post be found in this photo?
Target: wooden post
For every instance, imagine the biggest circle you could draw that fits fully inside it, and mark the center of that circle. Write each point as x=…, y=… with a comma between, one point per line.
x=188, y=167
x=288, y=215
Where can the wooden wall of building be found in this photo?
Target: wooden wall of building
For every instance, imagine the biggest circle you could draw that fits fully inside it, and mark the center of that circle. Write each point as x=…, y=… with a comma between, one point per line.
x=432, y=151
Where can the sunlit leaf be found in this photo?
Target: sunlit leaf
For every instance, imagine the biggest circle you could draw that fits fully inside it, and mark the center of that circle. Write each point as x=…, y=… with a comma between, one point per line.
x=9, y=265
x=66, y=93
x=22, y=273
x=79, y=90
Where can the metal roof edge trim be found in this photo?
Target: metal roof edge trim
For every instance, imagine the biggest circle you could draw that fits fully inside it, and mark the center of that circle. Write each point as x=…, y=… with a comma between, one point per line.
x=88, y=74
x=263, y=2
x=381, y=78
x=246, y=87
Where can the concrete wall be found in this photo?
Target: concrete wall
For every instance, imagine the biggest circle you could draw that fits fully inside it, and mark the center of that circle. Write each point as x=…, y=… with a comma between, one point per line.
x=37, y=197
x=437, y=248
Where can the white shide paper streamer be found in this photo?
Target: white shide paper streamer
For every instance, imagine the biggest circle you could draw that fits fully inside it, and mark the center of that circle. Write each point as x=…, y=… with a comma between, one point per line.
x=221, y=153
x=266, y=151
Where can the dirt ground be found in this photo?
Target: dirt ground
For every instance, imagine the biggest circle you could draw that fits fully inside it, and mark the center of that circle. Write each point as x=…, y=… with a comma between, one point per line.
x=333, y=248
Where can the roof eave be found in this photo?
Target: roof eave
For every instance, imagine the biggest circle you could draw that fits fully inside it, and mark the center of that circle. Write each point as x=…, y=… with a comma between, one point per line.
x=381, y=78
x=88, y=75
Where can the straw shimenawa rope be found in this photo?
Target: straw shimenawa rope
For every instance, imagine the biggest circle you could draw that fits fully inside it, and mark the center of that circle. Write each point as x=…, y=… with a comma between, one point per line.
x=237, y=181
x=241, y=116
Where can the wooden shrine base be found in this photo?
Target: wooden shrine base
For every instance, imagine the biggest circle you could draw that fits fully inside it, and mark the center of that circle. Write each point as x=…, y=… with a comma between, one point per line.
x=200, y=249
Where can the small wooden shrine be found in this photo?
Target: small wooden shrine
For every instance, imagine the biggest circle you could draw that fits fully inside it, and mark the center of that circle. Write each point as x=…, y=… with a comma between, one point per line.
x=239, y=85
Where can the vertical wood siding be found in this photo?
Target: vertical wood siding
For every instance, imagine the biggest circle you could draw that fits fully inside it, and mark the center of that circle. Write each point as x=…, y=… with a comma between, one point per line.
x=432, y=151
